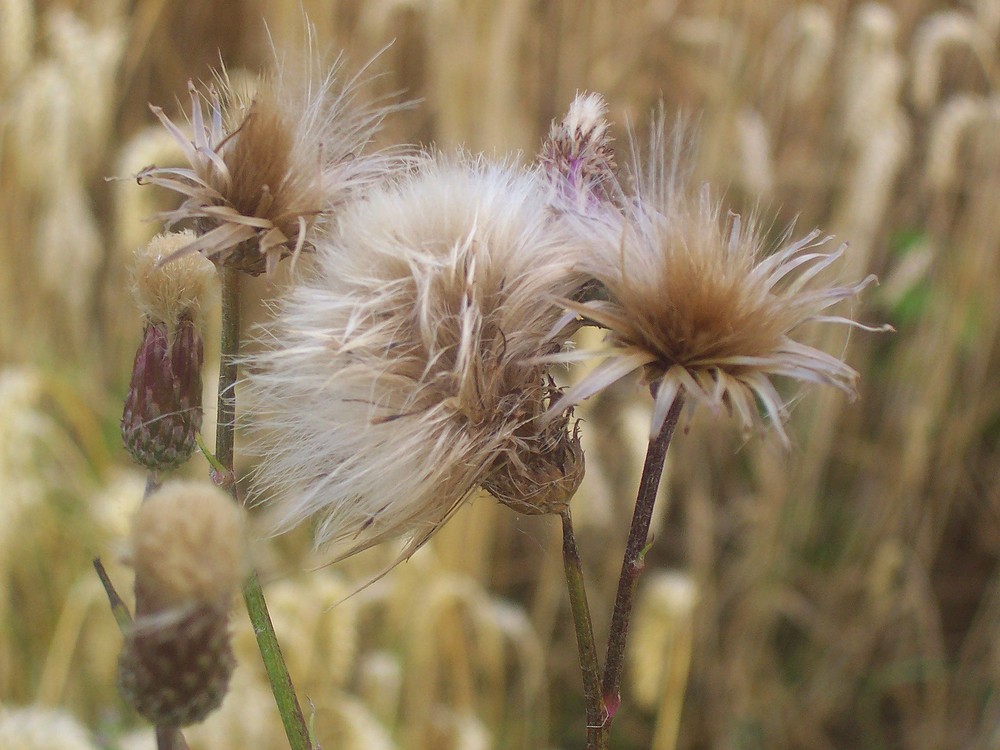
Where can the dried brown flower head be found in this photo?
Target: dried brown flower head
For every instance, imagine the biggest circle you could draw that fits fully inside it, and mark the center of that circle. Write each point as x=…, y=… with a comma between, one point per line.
x=268, y=168
x=699, y=304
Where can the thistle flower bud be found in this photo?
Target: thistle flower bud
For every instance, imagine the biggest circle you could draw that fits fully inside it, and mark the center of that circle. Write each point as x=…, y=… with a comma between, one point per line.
x=188, y=554
x=162, y=411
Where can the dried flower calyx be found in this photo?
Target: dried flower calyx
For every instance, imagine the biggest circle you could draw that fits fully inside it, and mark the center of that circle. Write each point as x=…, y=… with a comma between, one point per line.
x=545, y=470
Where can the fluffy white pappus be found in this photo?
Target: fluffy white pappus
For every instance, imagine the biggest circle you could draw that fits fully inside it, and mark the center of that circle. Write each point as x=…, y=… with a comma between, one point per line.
x=271, y=163
x=404, y=369
x=697, y=300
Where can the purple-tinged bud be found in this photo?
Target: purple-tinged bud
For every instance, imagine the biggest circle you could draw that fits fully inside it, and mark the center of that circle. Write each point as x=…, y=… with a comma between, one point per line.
x=578, y=157
x=163, y=411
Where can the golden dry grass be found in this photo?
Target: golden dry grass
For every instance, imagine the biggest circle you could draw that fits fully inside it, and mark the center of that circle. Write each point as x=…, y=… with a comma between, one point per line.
x=842, y=595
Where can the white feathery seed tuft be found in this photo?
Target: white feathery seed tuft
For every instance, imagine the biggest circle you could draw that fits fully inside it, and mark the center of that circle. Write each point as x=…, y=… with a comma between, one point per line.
x=405, y=369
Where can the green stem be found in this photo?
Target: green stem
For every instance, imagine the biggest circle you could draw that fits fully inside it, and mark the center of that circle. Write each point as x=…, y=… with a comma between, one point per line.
x=118, y=607
x=632, y=564
x=584, y=636
x=253, y=595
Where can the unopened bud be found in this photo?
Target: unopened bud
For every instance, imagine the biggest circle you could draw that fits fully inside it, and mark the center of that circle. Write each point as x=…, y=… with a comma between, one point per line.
x=578, y=157
x=188, y=550
x=163, y=411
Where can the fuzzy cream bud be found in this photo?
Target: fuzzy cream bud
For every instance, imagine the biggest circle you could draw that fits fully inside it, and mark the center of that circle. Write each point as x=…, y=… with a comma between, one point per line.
x=188, y=551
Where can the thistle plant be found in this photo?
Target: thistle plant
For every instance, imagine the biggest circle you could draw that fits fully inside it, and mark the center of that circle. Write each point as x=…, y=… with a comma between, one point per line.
x=698, y=305
x=269, y=168
x=412, y=363
x=412, y=366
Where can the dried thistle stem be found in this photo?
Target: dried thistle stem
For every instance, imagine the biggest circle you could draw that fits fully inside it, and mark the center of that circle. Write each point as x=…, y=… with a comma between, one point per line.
x=584, y=636
x=632, y=564
x=267, y=641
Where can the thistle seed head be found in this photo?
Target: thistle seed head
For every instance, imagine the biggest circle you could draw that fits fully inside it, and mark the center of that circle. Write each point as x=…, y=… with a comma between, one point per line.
x=404, y=372
x=267, y=169
x=697, y=302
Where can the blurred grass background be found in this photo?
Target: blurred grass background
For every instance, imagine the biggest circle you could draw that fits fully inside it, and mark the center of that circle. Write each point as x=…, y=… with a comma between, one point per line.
x=842, y=595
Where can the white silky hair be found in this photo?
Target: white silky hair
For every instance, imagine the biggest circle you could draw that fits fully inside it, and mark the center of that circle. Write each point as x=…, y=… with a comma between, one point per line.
x=395, y=375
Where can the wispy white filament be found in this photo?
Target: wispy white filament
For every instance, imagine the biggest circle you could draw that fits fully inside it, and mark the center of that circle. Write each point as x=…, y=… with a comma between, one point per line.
x=400, y=372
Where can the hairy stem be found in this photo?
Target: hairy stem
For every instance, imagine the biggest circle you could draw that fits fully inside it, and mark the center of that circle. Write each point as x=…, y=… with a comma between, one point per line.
x=596, y=739
x=632, y=564
x=253, y=595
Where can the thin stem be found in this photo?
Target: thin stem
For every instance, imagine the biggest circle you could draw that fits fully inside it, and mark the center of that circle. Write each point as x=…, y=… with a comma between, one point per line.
x=118, y=607
x=584, y=636
x=632, y=564
x=253, y=595
x=225, y=434
x=170, y=738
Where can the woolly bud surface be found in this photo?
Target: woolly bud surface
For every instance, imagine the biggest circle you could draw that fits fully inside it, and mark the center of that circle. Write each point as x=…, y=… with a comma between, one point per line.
x=188, y=546
x=404, y=369
x=170, y=292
